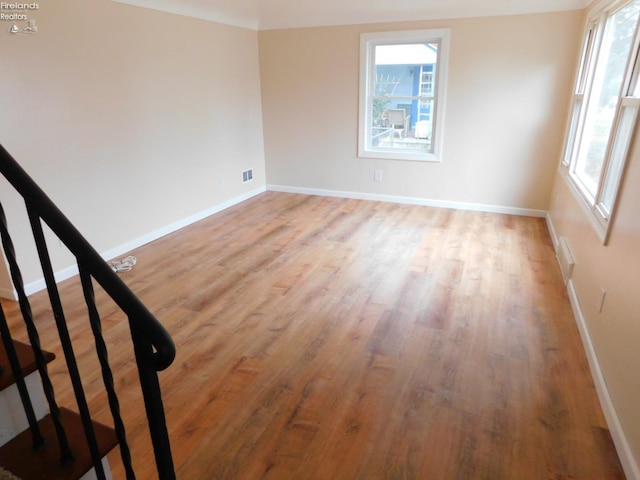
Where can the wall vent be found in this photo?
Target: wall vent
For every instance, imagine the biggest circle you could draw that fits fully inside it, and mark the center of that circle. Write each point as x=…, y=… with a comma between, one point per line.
x=247, y=175
x=565, y=259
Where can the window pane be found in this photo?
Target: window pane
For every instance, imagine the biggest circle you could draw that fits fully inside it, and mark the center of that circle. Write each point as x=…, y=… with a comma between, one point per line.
x=607, y=82
x=573, y=128
x=392, y=128
x=618, y=155
x=403, y=106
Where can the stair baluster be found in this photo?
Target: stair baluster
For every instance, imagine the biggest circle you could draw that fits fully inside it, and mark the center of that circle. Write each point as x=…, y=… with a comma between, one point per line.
x=36, y=434
x=65, y=340
x=153, y=403
x=154, y=350
x=107, y=376
x=66, y=455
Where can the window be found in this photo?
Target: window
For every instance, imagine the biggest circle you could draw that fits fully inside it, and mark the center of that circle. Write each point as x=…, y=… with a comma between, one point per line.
x=605, y=108
x=402, y=92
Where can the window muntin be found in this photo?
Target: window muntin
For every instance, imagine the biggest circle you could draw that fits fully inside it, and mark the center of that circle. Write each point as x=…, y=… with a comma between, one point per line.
x=402, y=94
x=605, y=108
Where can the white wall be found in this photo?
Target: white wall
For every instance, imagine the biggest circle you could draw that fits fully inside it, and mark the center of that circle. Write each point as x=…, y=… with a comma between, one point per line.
x=509, y=78
x=130, y=119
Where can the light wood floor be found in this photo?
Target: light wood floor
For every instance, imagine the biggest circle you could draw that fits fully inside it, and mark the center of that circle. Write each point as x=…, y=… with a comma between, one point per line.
x=323, y=338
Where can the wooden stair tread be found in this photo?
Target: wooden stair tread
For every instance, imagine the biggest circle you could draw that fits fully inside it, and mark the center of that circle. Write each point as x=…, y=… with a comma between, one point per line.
x=19, y=458
x=27, y=362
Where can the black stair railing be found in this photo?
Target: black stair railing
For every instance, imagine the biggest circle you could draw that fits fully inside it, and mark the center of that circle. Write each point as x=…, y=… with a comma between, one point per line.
x=154, y=350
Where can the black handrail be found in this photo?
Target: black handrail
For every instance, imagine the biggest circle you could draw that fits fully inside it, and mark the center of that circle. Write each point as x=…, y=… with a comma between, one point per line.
x=154, y=349
x=90, y=259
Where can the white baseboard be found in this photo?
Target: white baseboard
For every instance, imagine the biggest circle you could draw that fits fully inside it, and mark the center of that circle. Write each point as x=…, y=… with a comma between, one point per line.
x=40, y=284
x=410, y=201
x=625, y=454
x=161, y=232
x=8, y=293
x=552, y=231
x=72, y=270
x=623, y=448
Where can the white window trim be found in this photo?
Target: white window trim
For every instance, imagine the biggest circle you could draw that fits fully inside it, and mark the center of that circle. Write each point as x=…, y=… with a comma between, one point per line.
x=599, y=218
x=368, y=42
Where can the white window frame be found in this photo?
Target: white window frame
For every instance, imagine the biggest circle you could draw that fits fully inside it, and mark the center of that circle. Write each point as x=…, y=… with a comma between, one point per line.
x=368, y=42
x=600, y=207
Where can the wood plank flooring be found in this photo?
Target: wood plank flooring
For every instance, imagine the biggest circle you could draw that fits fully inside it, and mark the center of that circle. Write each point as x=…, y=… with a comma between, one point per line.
x=325, y=338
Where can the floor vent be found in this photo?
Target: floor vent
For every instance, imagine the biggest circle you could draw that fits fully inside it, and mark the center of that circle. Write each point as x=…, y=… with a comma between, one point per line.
x=565, y=259
x=247, y=175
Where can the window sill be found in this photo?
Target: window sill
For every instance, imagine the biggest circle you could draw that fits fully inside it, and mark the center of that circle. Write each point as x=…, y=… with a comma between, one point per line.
x=598, y=222
x=399, y=155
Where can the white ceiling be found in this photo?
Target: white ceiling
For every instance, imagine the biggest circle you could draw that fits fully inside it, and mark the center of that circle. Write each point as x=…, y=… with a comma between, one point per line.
x=272, y=14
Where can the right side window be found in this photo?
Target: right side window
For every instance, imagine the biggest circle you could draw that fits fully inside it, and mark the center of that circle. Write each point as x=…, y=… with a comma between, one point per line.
x=605, y=107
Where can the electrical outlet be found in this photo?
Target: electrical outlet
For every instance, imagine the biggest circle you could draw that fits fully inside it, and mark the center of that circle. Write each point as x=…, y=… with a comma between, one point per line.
x=377, y=175
x=247, y=175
